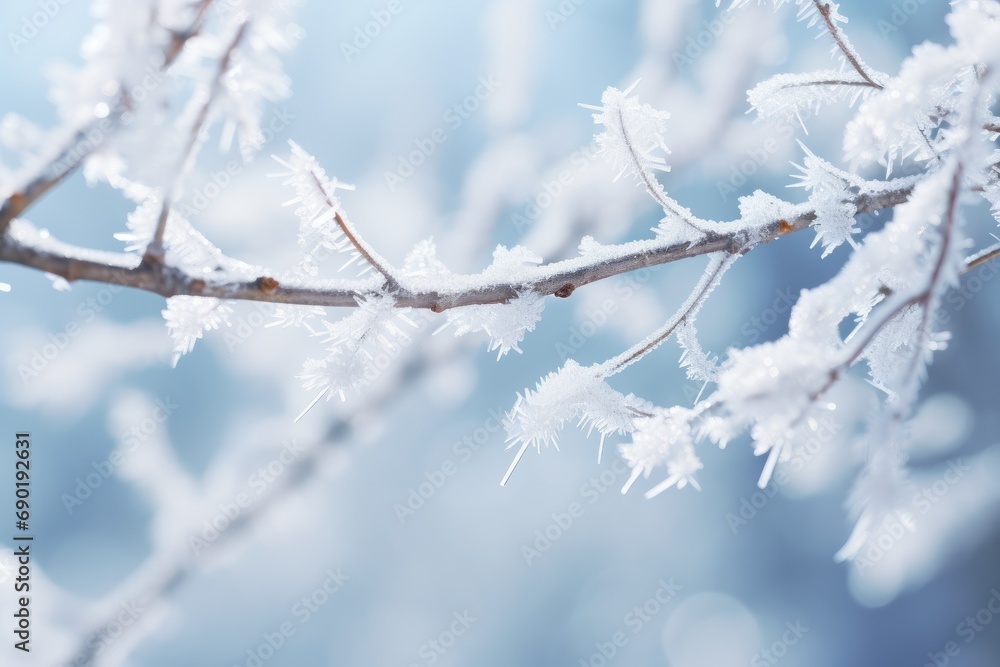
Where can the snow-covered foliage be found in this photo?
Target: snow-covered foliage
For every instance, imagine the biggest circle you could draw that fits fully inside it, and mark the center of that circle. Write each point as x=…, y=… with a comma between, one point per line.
x=933, y=118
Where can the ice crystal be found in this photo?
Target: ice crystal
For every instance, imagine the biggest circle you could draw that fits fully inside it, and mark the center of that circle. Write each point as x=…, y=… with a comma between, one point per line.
x=633, y=133
x=189, y=317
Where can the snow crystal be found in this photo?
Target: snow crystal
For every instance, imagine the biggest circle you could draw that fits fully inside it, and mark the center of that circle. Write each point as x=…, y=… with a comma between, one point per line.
x=901, y=121
x=509, y=265
x=883, y=490
x=830, y=196
x=505, y=324
x=633, y=132
x=572, y=392
x=422, y=268
x=695, y=360
x=788, y=96
x=317, y=210
x=357, y=345
x=663, y=439
x=761, y=208
x=291, y=315
x=189, y=317
x=773, y=388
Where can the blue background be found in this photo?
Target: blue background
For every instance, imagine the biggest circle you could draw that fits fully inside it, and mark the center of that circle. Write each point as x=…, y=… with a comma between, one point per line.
x=462, y=550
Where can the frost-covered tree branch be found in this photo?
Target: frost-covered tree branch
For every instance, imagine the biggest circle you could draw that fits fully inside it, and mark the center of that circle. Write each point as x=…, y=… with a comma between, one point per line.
x=85, y=133
x=892, y=285
x=30, y=247
x=154, y=251
x=832, y=20
x=933, y=118
x=791, y=94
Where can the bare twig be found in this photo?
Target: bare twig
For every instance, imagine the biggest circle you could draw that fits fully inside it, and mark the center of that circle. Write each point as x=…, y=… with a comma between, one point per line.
x=19, y=201
x=652, y=186
x=366, y=252
x=718, y=266
x=828, y=82
x=154, y=251
x=845, y=46
x=984, y=256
